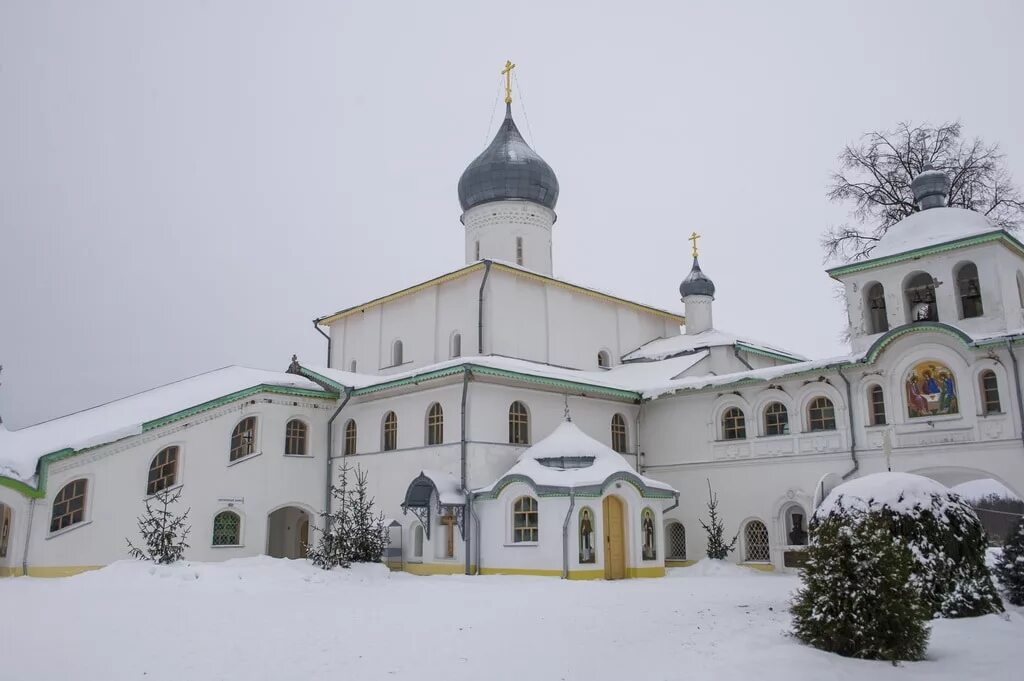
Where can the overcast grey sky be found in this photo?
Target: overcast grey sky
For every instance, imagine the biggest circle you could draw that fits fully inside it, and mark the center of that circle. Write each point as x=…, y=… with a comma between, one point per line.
x=186, y=185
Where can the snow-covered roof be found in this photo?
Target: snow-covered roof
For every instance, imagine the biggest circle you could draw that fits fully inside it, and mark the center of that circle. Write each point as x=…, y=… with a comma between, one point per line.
x=663, y=348
x=568, y=458
x=630, y=377
x=930, y=228
x=20, y=450
x=900, y=492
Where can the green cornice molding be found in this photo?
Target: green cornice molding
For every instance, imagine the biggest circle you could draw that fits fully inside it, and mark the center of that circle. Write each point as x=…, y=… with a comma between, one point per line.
x=42, y=467
x=917, y=327
x=765, y=352
x=1000, y=236
x=595, y=490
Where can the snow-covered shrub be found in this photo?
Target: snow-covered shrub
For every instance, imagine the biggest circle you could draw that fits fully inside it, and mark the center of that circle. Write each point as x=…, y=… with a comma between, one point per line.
x=1010, y=566
x=718, y=548
x=354, y=534
x=855, y=599
x=163, y=530
x=942, y=531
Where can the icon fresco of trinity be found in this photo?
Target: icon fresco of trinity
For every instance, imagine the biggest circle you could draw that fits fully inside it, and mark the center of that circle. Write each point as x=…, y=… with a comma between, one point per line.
x=931, y=390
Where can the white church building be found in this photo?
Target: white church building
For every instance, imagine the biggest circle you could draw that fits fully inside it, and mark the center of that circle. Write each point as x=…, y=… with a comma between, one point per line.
x=577, y=444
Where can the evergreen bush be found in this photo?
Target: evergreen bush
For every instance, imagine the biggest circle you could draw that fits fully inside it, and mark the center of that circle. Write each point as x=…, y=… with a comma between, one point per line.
x=352, y=533
x=718, y=549
x=1010, y=566
x=163, y=530
x=855, y=599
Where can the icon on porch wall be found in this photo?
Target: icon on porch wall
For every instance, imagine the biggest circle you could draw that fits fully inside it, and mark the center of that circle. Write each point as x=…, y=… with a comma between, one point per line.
x=931, y=390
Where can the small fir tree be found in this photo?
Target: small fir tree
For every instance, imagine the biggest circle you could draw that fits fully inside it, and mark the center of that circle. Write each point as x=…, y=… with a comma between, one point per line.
x=163, y=530
x=368, y=535
x=352, y=533
x=1010, y=566
x=857, y=599
x=717, y=548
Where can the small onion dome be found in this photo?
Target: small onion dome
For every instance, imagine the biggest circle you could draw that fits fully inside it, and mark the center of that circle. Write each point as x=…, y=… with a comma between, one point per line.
x=930, y=187
x=697, y=283
x=508, y=169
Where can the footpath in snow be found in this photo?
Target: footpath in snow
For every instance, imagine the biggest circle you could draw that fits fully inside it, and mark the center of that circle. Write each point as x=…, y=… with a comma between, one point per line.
x=262, y=618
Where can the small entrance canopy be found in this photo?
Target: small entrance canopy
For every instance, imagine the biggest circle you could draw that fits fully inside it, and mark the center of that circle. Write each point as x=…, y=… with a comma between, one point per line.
x=446, y=492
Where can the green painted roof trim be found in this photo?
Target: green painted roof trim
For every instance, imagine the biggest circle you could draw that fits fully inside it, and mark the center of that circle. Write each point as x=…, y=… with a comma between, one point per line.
x=42, y=468
x=575, y=386
x=918, y=327
x=765, y=352
x=590, y=491
x=999, y=235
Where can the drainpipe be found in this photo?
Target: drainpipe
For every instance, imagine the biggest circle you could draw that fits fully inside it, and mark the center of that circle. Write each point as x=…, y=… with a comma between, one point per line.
x=480, y=309
x=639, y=453
x=28, y=536
x=321, y=332
x=671, y=508
x=853, y=434
x=1016, y=383
x=330, y=454
x=565, y=533
x=466, y=526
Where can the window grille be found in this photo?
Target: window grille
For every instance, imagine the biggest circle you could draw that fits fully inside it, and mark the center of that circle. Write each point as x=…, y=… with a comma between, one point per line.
x=163, y=470
x=225, y=529
x=734, y=425
x=675, y=541
x=524, y=520
x=755, y=535
x=69, y=505
x=243, y=439
x=295, y=438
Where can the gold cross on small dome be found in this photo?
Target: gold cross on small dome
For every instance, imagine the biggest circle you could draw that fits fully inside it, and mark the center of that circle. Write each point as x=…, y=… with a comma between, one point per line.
x=693, y=239
x=507, y=72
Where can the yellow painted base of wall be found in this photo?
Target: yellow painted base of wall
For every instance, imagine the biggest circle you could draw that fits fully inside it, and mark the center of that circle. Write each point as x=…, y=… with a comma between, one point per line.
x=632, y=573
x=59, y=571
x=763, y=567
x=438, y=568
x=679, y=563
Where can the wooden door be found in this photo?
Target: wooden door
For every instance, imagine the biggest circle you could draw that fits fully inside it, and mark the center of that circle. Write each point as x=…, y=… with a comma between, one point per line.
x=303, y=538
x=614, y=540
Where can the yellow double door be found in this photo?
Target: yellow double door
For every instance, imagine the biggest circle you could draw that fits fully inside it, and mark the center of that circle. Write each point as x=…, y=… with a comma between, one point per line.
x=614, y=539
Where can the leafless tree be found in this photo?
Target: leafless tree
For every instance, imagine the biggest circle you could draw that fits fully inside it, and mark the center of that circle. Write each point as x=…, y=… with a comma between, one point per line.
x=875, y=173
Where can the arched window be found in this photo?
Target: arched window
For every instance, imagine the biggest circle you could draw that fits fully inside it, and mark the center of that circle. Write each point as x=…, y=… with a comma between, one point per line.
x=295, y=438
x=821, y=415
x=878, y=321
x=435, y=424
x=350, y=438
x=755, y=542
x=519, y=250
x=6, y=521
x=619, y=442
x=650, y=546
x=796, y=526
x=69, y=505
x=990, y=393
x=456, y=349
x=417, y=541
x=969, y=291
x=163, y=470
x=588, y=550
x=352, y=366
x=603, y=360
x=518, y=424
x=389, y=436
x=396, y=353
x=524, y=520
x=227, y=527
x=243, y=439
x=734, y=425
x=675, y=541
x=876, y=405
x=919, y=292
x=776, y=419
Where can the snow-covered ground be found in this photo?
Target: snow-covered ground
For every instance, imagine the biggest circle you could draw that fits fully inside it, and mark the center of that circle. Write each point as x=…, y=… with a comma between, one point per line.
x=262, y=618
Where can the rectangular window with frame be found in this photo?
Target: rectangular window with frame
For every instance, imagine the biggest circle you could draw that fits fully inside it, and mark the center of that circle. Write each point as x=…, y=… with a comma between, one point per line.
x=990, y=393
x=877, y=406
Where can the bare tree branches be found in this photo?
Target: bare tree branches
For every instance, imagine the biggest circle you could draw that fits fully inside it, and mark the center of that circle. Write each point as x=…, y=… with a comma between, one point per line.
x=875, y=173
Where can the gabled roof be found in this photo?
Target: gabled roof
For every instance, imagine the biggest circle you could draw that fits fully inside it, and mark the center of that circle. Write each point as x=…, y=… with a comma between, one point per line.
x=568, y=459
x=663, y=348
x=21, y=450
x=500, y=266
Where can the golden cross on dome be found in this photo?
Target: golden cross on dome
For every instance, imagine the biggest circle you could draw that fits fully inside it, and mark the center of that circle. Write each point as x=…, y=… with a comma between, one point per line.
x=507, y=72
x=693, y=239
